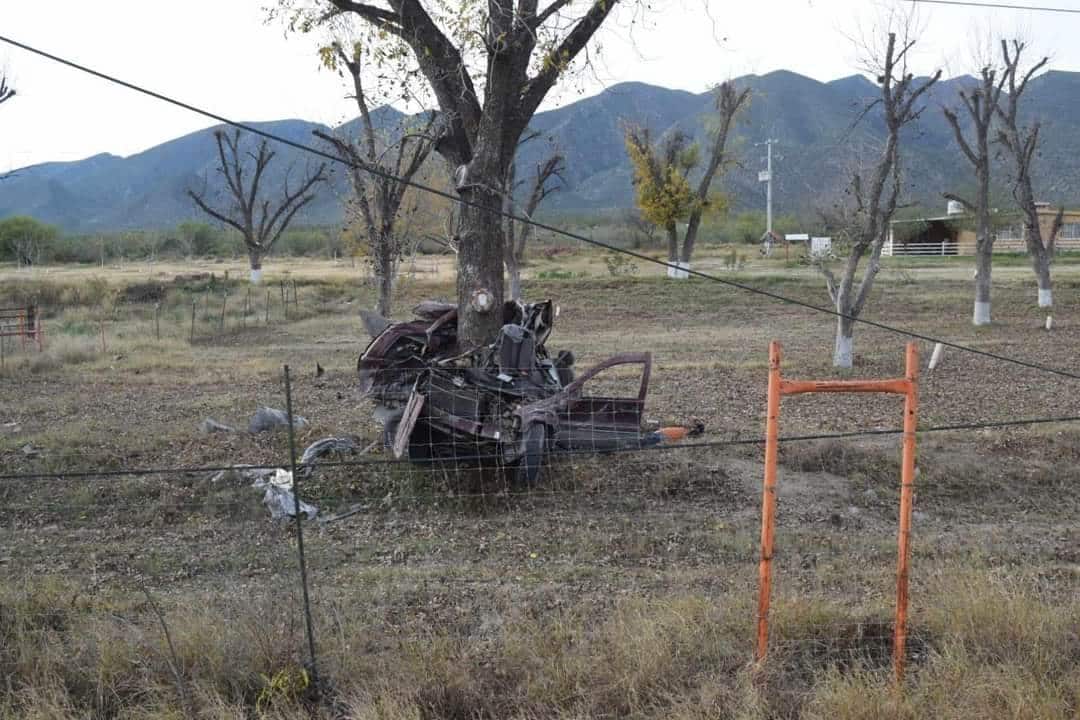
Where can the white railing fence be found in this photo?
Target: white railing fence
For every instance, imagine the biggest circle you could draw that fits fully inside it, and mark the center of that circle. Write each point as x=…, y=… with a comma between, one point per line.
x=1001, y=245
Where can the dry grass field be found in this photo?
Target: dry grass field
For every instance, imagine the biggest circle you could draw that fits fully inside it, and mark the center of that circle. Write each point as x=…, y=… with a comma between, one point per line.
x=618, y=586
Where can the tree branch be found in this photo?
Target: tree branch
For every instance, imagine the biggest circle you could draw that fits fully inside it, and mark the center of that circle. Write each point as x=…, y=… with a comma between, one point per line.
x=219, y=216
x=557, y=5
x=954, y=123
x=537, y=88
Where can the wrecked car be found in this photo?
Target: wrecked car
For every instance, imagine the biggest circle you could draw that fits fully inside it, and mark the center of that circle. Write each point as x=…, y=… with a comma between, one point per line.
x=507, y=403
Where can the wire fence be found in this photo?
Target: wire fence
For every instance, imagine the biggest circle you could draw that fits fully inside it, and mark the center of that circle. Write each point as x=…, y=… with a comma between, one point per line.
x=632, y=563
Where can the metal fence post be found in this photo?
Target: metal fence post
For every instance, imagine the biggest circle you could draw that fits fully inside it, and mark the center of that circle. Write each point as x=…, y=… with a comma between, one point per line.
x=300, y=530
x=907, y=481
x=768, y=501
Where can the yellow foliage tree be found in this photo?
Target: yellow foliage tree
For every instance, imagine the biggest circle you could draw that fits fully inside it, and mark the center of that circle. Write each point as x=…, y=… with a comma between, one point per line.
x=661, y=182
x=661, y=178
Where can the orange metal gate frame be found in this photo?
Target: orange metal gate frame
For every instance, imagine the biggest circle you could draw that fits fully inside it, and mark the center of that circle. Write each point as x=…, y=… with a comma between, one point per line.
x=906, y=386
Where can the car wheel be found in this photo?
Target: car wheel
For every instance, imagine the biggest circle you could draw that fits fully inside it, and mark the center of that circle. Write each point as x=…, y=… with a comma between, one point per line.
x=535, y=441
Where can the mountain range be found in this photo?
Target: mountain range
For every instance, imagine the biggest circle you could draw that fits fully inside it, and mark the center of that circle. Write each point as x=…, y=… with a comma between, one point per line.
x=822, y=130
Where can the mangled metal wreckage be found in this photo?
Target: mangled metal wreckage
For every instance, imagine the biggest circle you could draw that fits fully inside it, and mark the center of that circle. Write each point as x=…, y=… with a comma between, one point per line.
x=507, y=403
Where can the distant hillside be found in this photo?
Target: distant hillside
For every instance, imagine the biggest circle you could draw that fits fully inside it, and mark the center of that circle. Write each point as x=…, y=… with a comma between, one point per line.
x=814, y=122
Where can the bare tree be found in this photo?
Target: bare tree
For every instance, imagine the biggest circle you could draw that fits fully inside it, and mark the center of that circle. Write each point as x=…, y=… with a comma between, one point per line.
x=866, y=219
x=1020, y=144
x=981, y=103
x=519, y=50
x=662, y=175
x=518, y=233
x=259, y=220
x=6, y=91
x=377, y=197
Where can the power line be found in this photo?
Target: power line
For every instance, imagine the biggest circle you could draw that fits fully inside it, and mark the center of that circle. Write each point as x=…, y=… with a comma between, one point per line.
x=714, y=444
x=379, y=172
x=998, y=6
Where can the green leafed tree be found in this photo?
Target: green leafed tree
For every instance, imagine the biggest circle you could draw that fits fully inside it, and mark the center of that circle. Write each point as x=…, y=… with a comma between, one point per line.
x=25, y=240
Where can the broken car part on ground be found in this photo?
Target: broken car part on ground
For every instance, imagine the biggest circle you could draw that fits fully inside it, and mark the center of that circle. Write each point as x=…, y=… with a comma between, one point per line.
x=507, y=403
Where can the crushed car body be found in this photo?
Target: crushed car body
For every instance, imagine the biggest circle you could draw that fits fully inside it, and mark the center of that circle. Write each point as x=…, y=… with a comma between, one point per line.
x=507, y=403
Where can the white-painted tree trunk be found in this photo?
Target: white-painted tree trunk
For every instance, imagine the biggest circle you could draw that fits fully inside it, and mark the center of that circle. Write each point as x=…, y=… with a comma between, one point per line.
x=844, y=352
x=677, y=269
x=256, y=276
x=981, y=315
x=1046, y=297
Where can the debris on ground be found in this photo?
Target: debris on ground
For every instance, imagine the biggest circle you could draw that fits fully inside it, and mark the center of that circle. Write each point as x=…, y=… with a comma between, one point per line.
x=675, y=433
x=266, y=418
x=244, y=472
x=210, y=425
x=331, y=445
x=279, y=499
x=507, y=403
x=278, y=482
x=30, y=450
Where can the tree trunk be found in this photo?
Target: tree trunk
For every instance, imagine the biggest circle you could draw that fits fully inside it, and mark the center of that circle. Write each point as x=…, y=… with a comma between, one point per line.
x=514, y=275
x=480, y=264
x=1041, y=264
x=673, y=254
x=983, y=258
x=513, y=268
x=690, y=238
x=385, y=269
x=256, y=268
x=844, y=349
x=984, y=253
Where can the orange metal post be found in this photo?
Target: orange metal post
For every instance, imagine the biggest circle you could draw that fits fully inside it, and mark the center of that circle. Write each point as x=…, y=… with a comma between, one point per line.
x=907, y=481
x=768, y=501
x=906, y=386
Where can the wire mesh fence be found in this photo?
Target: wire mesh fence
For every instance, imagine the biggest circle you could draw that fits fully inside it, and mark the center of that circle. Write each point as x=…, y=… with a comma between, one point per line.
x=615, y=576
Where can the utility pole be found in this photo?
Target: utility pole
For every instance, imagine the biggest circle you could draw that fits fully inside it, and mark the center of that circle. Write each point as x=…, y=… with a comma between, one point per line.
x=766, y=177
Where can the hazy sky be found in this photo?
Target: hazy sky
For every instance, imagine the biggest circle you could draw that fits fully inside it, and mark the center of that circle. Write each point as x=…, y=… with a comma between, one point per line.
x=220, y=54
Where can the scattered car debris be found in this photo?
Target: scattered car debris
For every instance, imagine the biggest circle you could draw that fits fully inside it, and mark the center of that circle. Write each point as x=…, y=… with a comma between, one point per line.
x=278, y=482
x=330, y=445
x=210, y=425
x=266, y=418
x=674, y=433
x=277, y=485
x=279, y=499
x=244, y=472
x=509, y=402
